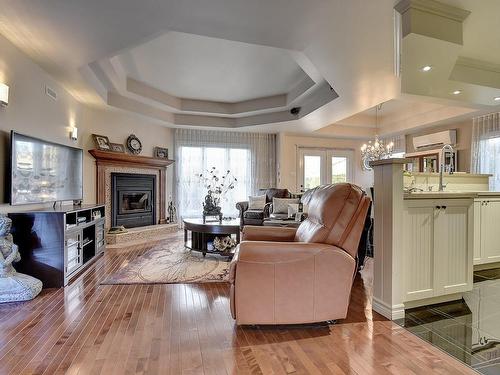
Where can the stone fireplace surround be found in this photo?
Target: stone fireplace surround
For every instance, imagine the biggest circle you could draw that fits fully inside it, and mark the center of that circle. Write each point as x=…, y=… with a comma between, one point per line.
x=113, y=162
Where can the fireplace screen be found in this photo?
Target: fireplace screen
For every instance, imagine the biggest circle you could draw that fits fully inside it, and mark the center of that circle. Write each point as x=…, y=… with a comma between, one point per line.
x=133, y=199
x=134, y=202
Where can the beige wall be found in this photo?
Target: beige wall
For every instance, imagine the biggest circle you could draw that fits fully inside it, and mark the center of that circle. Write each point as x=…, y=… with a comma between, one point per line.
x=464, y=139
x=288, y=145
x=117, y=126
x=32, y=112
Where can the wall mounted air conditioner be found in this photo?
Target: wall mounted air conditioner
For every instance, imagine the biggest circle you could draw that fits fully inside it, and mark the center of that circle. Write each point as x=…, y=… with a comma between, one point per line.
x=435, y=140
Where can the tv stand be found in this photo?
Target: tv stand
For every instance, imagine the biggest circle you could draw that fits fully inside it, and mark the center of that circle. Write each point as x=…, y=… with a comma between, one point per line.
x=57, y=244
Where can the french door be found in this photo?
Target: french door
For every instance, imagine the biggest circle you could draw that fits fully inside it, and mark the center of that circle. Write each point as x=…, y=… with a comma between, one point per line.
x=319, y=166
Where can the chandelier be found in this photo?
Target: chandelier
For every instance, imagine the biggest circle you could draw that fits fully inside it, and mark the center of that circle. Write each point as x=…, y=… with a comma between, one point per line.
x=376, y=149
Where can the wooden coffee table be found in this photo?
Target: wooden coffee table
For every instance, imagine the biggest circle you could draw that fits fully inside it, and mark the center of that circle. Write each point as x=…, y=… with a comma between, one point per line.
x=203, y=233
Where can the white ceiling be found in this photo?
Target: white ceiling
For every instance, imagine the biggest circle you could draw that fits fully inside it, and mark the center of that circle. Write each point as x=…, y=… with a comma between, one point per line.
x=230, y=49
x=349, y=44
x=464, y=52
x=481, y=29
x=399, y=115
x=204, y=68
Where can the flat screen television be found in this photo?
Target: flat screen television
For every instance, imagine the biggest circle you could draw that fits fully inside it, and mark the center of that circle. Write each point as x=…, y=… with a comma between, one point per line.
x=42, y=171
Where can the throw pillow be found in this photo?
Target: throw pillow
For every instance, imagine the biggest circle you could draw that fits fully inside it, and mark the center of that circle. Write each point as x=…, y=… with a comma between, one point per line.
x=257, y=202
x=280, y=205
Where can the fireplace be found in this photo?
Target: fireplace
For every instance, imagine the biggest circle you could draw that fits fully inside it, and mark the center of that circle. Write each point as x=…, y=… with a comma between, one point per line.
x=109, y=163
x=133, y=198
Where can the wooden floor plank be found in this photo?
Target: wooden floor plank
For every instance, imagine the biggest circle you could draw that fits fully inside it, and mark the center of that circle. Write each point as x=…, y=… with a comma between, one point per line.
x=89, y=328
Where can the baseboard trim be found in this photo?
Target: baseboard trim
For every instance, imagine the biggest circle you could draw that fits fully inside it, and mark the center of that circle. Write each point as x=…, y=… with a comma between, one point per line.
x=434, y=300
x=390, y=312
x=486, y=266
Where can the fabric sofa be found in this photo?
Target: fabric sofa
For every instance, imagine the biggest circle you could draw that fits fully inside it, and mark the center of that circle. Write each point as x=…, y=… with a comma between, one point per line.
x=256, y=217
x=303, y=275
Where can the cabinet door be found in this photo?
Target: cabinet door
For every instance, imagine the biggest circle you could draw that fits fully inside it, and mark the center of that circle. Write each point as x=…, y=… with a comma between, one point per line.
x=419, y=252
x=477, y=232
x=73, y=252
x=99, y=237
x=490, y=217
x=452, y=241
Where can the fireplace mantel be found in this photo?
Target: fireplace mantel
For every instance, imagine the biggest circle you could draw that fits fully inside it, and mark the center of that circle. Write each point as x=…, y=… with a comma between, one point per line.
x=106, y=161
x=118, y=158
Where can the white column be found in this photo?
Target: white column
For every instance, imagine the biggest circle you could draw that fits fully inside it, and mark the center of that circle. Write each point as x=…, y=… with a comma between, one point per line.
x=388, y=230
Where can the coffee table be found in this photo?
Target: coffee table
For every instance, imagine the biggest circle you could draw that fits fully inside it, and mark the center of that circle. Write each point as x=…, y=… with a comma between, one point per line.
x=281, y=223
x=203, y=233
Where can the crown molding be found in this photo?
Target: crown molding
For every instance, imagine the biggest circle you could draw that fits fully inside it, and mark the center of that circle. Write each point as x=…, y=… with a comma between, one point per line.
x=230, y=109
x=478, y=64
x=476, y=72
x=433, y=7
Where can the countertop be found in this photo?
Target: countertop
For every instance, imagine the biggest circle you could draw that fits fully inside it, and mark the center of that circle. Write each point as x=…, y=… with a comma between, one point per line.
x=451, y=194
x=447, y=175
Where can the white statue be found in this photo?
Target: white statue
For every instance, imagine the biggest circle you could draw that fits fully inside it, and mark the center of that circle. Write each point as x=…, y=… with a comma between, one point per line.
x=14, y=286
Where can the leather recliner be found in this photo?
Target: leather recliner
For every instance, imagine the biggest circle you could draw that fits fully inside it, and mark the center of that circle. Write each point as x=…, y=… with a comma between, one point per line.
x=303, y=275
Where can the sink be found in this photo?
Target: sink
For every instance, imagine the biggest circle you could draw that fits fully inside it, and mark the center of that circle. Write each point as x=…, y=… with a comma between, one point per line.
x=442, y=192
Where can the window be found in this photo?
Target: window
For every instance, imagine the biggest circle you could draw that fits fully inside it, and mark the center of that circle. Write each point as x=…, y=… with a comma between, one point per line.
x=339, y=169
x=196, y=160
x=490, y=162
x=324, y=166
x=312, y=171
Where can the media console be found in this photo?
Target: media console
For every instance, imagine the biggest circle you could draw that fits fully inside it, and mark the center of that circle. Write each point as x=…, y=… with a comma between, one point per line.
x=58, y=244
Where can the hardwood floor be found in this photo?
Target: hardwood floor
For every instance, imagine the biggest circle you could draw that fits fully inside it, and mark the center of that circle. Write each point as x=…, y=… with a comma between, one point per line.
x=87, y=328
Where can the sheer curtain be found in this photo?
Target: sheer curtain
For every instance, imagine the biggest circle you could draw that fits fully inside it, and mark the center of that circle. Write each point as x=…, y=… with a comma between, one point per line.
x=251, y=158
x=485, y=148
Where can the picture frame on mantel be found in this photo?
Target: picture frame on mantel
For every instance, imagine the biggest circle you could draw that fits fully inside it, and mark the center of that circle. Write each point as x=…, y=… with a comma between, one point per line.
x=101, y=142
x=160, y=153
x=117, y=147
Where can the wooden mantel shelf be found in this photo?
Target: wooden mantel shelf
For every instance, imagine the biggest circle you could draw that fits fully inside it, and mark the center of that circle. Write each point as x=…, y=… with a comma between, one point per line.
x=121, y=158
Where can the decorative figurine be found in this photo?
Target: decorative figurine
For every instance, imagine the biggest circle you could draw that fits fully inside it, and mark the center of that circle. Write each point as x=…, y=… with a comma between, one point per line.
x=211, y=207
x=14, y=286
x=172, y=212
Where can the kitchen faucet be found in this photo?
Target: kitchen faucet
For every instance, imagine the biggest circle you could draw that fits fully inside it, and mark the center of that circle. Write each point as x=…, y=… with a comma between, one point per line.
x=445, y=148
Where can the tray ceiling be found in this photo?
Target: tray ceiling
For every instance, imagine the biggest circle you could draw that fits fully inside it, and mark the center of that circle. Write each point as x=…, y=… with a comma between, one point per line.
x=199, y=67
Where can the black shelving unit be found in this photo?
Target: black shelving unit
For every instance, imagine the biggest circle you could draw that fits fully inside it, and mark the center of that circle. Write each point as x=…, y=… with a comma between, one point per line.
x=58, y=244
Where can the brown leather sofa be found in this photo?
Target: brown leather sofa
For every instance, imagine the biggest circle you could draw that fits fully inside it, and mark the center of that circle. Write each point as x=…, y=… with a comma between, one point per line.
x=303, y=275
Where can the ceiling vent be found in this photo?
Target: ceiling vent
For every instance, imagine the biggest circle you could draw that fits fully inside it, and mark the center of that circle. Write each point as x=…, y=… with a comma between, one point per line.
x=50, y=93
x=435, y=140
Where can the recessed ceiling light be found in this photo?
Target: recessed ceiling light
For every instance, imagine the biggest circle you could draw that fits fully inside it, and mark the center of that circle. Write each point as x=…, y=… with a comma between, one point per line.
x=426, y=68
x=457, y=92
x=497, y=99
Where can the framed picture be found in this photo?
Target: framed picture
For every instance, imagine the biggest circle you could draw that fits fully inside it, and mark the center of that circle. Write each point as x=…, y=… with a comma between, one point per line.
x=101, y=142
x=117, y=147
x=161, y=153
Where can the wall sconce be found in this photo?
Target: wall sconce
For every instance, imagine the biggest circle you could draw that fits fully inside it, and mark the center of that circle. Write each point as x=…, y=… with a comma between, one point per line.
x=73, y=134
x=4, y=94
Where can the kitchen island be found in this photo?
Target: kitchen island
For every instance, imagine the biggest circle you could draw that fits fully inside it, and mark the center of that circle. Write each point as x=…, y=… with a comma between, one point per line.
x=426, y=242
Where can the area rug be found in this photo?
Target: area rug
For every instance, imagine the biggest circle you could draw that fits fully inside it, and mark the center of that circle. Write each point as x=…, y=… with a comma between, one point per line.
x=169, y=262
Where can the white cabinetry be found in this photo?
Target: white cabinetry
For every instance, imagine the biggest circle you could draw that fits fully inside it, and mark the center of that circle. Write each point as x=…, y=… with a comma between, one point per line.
x=438, y=247
x=486, y=230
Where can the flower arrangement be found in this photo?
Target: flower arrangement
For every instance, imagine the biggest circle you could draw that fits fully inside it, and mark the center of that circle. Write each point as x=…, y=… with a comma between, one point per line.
x=217, y=186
